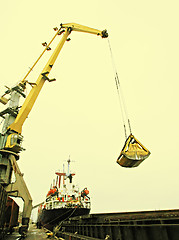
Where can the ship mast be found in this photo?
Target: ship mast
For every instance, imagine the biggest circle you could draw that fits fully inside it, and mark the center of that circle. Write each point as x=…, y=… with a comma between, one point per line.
x=67, y=175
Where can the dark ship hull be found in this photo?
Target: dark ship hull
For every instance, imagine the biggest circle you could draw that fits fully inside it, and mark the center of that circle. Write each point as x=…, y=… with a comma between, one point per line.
x=50, y=218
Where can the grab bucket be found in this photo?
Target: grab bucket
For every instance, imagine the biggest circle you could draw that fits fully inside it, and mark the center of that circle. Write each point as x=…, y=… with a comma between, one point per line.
x=133, y=153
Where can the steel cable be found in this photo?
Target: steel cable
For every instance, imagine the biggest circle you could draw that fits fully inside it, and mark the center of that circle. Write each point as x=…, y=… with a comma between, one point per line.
x=123, y=108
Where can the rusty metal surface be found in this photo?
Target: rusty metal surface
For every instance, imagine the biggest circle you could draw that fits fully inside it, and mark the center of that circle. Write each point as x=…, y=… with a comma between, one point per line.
x=138, y=215
x=145, y=225
x=3, y=199
x=11, y=213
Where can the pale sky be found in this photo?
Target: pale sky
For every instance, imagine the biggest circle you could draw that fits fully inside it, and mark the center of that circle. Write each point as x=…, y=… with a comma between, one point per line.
x=79, y=114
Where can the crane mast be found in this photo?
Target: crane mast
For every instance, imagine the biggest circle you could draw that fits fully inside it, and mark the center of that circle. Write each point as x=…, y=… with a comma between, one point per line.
x=10, y=136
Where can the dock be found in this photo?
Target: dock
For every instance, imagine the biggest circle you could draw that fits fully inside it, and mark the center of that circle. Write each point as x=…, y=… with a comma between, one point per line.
x=33, y=234
x=143, y=225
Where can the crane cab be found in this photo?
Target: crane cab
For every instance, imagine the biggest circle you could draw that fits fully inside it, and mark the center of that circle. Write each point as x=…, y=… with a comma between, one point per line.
x=14, y=142
x=133, y=153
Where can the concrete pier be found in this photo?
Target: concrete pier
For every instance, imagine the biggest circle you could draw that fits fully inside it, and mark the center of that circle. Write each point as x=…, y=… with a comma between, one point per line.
x=33, y=234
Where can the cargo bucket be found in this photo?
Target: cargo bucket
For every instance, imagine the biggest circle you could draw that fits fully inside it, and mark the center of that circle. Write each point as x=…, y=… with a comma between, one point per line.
x=133, y=153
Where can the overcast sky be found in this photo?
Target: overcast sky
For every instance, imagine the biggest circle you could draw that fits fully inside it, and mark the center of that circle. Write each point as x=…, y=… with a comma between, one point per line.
x=79, y=114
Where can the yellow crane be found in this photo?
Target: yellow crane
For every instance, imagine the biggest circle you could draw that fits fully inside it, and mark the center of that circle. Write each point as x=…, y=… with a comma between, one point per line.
x=132, y=154
x=16, y=126
x=11, y=137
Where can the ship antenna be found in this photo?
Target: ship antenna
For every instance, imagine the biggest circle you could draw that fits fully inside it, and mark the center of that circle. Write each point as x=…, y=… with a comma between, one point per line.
x=68, y=161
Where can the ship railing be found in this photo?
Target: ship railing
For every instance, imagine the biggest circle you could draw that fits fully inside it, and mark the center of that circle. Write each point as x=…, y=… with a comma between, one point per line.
x=55, y=204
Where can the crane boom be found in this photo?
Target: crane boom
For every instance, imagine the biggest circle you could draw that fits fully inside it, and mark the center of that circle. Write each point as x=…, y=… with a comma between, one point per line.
x=27, y=106
x=132, y=154
x=81, y=28
x=10, y=136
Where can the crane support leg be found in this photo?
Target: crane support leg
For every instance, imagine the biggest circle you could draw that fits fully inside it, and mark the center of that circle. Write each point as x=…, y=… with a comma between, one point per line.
x=19, y=189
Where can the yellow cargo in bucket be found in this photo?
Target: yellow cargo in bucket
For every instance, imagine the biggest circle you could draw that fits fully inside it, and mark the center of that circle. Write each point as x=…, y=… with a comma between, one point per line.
x=133, y=153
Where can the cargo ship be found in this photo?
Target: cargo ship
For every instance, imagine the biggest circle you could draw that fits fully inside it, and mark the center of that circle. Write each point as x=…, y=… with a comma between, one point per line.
x=63, y=200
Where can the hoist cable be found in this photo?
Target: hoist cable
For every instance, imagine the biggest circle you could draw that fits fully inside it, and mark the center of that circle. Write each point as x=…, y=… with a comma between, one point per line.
x=120, y=94
x=121, y=108
x=124, y=105
x=118, y=91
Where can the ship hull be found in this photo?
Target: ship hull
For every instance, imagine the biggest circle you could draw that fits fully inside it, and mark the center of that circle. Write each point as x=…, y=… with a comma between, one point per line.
x=50, y=218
